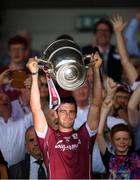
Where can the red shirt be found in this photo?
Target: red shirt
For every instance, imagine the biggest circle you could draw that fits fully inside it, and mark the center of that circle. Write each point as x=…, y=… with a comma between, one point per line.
x=67, y=155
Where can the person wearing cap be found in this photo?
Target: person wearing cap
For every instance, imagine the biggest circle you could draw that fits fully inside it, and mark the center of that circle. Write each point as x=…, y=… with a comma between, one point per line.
x=122, y=96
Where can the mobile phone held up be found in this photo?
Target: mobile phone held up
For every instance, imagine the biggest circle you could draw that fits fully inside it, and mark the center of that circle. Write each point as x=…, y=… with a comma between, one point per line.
x=18, y=77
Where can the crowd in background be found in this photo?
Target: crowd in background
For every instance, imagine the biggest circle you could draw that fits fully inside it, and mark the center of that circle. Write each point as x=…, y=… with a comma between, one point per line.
x=116, y=150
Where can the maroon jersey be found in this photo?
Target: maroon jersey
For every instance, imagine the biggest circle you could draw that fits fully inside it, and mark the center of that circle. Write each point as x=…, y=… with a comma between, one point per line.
x=67, y=155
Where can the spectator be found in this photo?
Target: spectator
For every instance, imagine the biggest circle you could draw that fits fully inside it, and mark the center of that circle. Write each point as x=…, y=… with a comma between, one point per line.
x=17, y=51
x=81, y=96
x=130, y=71
x=31, y=52
x=30, y=168
x=122, y=163
x=6, y=59
x=132, y=74
x=20, y=106
x=12, y=134
x=111, y=66
x=120, y=103
x=68, y=150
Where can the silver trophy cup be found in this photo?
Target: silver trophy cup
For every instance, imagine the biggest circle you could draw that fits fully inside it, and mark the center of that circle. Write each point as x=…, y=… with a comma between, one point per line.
x=65, y=64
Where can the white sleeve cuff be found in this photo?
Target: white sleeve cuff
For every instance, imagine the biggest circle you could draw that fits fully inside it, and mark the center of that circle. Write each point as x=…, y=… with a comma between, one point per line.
x=91, y=132
x=42, y=134
x=135, y=85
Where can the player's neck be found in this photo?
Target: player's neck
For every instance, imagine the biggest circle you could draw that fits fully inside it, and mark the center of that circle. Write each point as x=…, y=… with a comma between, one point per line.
x=62, y=129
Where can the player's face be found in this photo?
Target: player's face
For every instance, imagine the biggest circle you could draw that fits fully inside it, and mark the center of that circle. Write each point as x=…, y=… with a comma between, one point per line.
x=121, y=141
x=66, y=116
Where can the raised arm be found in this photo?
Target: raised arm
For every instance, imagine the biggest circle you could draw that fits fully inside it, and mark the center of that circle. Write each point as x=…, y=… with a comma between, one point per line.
x=94, y=112
x=129, y=69
x=133, y=107
x=39, y=119
x=106, y=107
x=130, y=34
x=107, y=103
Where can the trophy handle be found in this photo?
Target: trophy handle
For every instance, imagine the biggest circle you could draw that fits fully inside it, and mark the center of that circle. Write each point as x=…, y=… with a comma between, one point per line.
x=45, y=66
x=87, y=59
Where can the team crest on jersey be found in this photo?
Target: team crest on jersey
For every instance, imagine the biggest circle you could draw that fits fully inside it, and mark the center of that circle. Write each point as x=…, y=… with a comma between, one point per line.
x=67, y=138
x=75, y=136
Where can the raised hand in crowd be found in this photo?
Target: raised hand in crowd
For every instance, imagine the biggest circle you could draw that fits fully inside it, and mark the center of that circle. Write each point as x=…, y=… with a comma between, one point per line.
x=130, y=71
x=107, y=103
x=118, y=23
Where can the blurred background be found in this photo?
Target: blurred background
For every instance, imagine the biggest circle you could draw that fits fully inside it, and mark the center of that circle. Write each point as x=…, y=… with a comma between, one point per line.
x=45, y=20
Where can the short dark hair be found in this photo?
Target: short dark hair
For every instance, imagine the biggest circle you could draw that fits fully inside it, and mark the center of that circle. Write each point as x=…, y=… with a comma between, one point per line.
x=120, y=127
x=69, y=99
x=17, y=40
x=124, y=87
x=103, y=21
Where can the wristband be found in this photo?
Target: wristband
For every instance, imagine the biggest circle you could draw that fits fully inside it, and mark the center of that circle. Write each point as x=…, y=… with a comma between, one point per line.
x=34, y=74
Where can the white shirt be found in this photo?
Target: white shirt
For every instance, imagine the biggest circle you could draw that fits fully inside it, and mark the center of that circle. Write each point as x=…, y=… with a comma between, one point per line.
x=81, y=117
x=12, y=138
x=97, y=163
x=34, y=168
x=18, y=109
x=112, y=121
